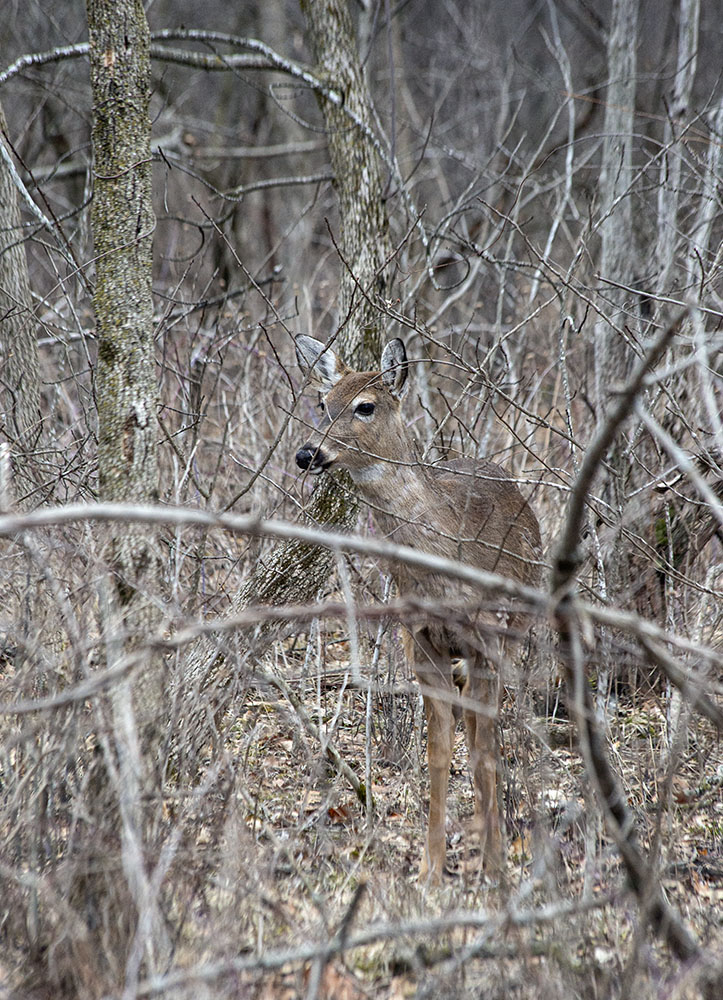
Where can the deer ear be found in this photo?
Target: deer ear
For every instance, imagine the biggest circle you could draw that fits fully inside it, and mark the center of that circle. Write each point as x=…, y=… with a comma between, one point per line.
x=395, y=368
x=323, y=366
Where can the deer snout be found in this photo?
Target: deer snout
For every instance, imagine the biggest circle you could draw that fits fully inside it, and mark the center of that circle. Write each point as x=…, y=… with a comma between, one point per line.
x=311, y=459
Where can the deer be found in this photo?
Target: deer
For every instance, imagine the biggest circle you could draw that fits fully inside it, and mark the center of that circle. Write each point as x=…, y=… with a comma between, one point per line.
x=464, y=509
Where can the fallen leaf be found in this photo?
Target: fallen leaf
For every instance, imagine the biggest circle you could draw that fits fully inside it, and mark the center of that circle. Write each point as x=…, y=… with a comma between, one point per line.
x=339, y=814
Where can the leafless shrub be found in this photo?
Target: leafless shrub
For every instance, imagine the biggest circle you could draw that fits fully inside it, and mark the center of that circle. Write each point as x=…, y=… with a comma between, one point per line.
x=260, y=868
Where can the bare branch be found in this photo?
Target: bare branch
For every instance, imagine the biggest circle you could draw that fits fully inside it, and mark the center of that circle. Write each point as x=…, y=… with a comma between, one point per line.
x=645, y=884
x=11, y=524
x=646, y=632
x=43, y=58
x=276, y=959
x=566, y=558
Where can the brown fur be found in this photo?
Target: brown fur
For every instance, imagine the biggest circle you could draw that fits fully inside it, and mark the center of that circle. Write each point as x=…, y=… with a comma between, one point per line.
x=463, y=509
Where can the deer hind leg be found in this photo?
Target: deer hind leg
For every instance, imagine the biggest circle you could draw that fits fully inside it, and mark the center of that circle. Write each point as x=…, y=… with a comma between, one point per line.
x=434, y=673
x=482, y=688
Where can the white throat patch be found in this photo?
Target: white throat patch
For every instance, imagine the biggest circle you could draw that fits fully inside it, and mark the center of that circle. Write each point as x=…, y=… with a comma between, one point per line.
x=371, y=474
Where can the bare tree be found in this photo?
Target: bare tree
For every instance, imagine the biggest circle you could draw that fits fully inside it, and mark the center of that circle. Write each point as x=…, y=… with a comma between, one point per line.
x=22, y=418
x=295, y=572
x=124, y=931
x=207, y=839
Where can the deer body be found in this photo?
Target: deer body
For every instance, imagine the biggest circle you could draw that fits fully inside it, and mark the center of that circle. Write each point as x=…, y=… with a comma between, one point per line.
x=463, y=509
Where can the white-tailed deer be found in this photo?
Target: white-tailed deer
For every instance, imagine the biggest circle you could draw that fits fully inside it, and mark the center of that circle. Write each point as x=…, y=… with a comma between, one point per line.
x=466, y=510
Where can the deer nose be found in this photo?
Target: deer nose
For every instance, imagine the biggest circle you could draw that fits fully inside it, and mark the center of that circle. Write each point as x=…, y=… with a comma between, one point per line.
x=305, y=456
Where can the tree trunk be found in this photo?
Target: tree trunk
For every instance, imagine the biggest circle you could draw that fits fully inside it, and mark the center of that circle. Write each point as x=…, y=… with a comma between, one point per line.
x=123, y=224
x=112, y=889
x=358, y=180
x=20, y=376
x=617, y=264
x=126, y=387
x=669, y=192
x=617, y=257
x=682, y=531
x=295, y=572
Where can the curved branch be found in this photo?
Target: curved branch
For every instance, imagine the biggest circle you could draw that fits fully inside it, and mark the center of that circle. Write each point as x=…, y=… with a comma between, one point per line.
x=644, y=631
x=43, y=58
x=491, y=924
x=264, y=57
x=620, y=821
x=566, y=559
x=663, y=917
x=272, y=58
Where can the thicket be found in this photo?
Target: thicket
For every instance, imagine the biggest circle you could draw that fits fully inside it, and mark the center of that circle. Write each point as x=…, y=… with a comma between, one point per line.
x=195, y=798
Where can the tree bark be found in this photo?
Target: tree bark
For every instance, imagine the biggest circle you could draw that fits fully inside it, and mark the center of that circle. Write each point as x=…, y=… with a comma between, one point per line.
x=612, y=356
x=123, y=223
x=296, y=572
x=358, y=180
x=126, y=388
x=669, y=192
x=126, y=935
x=21, y=416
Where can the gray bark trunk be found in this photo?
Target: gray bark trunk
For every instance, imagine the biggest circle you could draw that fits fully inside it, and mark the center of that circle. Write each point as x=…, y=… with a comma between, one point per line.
x=20, y=376
x=617, y=257
x=672, y=163
x=126, y=936
x=123, y=224
x=295, y=572
x=617, y=264
x=122, y=219
x=358, y=180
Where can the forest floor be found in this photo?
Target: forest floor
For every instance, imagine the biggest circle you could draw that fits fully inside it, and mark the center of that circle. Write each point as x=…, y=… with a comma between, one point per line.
x=302, y=864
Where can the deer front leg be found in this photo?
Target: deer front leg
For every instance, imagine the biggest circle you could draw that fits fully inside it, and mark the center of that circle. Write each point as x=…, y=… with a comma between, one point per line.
x=434, y=673
x=440, y=741
x=482, y=687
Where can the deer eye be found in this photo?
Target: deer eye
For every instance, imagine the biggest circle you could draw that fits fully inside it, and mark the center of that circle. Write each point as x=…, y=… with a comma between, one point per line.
x=321, y=405
x=364, y=409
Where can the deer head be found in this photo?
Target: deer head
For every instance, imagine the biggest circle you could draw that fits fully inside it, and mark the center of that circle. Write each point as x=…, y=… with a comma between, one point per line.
x=362, y=426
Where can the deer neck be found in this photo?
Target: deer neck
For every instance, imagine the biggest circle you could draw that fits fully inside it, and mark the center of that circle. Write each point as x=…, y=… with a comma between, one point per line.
x=400, y=495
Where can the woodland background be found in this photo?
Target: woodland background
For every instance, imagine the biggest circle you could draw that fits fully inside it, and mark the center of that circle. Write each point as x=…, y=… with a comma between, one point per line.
x=196, y=799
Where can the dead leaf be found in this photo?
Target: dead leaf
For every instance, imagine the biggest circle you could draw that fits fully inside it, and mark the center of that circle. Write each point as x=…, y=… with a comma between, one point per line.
x=339, y=814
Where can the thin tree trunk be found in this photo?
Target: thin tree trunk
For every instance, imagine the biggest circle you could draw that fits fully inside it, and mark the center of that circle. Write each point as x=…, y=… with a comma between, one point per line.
x=669, y=195
x=126, y=386
x=295, y=572
x=358, y=180
x=669, y=192
x=612, y=356
x=617, y=261
x=123, y=224
x=126, y=934
x=21, y=417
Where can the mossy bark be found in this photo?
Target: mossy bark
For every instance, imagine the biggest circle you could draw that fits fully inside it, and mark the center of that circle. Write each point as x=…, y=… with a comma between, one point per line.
x=123, y=223
x=296, y=572
x=126, y=388
x=110, y=889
